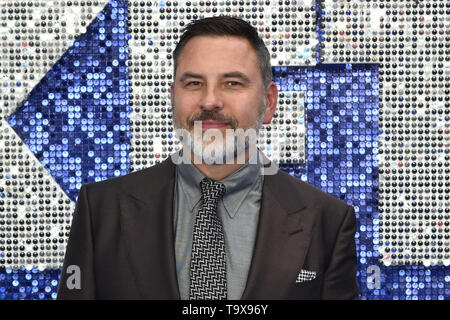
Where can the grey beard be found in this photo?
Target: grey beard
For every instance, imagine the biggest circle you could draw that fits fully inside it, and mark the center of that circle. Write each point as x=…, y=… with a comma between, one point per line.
x=237, y=154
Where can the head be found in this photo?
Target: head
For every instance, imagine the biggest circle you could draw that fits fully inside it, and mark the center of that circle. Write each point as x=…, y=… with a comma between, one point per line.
x=223, y=78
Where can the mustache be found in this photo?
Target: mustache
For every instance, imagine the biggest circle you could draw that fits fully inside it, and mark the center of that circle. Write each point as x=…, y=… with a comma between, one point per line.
x=211, y=115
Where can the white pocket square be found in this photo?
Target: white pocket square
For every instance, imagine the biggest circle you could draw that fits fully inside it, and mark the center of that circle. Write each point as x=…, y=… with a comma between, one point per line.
x=305, y=275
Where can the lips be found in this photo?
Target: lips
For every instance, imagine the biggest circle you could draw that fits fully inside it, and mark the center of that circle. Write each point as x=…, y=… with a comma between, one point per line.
x=209, y=124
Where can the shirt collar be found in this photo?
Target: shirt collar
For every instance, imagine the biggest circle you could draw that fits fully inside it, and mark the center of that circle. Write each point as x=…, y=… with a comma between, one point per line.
x=238, y=184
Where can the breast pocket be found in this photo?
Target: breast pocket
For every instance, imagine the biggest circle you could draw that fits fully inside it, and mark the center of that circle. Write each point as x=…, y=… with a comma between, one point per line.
x=307, y=286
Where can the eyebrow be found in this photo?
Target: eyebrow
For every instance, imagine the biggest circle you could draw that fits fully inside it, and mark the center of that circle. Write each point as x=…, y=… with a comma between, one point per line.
x=233, y=74
x=190, y=75
x=237, y=74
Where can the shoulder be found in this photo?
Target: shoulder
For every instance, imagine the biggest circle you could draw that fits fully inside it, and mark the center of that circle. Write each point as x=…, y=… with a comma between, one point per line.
x=144, y=178
x=311, y=195
x=292, y=192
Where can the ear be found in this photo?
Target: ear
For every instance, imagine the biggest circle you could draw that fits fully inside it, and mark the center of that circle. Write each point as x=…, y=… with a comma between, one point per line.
x=271, y=102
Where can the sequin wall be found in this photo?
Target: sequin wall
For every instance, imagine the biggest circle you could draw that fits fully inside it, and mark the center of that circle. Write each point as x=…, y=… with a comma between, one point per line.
x=363, y=114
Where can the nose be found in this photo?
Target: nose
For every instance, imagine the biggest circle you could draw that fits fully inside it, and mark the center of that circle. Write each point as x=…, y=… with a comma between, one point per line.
x=211, y=99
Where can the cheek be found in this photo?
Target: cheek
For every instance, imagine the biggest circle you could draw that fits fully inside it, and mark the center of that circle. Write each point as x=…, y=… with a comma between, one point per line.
x=246, y=111
x=184, y=106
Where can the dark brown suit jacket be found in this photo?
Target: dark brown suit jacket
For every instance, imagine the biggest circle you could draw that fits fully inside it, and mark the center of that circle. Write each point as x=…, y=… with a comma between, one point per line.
x=122, y=240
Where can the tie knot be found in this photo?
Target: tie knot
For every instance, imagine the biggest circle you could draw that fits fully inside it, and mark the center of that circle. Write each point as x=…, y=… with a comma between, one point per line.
x=212, y=190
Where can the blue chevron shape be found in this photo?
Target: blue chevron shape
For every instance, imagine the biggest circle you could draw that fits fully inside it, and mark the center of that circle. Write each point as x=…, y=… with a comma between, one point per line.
x=75, y=120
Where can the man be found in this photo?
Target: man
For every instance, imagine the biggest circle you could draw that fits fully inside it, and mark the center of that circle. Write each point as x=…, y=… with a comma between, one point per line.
x=206, y=223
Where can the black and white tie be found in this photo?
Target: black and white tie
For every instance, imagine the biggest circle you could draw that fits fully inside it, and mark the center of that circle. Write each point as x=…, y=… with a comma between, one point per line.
x=208, y=263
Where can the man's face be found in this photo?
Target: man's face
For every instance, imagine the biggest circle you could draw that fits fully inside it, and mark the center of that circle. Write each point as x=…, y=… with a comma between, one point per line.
x=218, y=82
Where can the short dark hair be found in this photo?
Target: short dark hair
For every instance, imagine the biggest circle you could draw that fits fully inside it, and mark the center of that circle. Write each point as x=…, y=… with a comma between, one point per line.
x=227, y=26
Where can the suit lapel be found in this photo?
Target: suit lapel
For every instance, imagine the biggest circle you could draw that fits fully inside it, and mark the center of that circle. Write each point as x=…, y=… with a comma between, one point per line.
x=282, y=240
x=147, y=228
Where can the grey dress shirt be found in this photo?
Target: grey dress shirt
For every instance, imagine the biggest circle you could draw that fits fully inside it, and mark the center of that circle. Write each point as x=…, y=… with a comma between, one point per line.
x=239, y=212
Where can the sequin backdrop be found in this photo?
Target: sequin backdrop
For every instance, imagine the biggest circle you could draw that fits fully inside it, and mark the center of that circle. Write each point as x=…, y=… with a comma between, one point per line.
x=363, y=114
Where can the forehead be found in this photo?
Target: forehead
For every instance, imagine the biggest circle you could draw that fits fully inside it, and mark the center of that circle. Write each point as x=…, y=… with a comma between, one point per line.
x=218, y=53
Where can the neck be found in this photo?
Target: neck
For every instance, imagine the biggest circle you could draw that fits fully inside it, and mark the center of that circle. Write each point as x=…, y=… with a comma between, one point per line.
x=220, y=171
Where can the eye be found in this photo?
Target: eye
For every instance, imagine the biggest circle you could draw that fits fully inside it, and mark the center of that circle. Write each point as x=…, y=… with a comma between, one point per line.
x=193, y=83
x=232, y=83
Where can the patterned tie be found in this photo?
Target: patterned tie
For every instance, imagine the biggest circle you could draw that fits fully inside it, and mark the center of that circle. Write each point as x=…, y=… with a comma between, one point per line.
x=208, y=264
